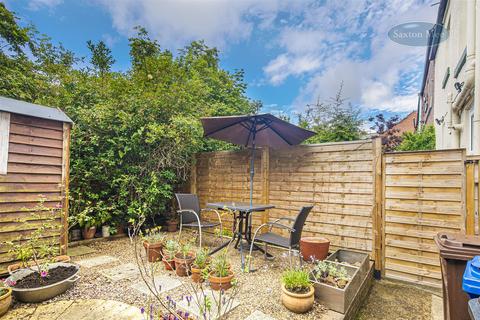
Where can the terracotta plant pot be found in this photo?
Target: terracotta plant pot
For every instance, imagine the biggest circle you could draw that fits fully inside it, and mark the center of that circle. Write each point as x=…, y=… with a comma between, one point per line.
x=154, y=251
x=172, y=226
x=217, y=283
x=5, y=301
x=13, y=267
x=197, y=274
x=89, y=233
x=169, y=264
x=298, y=302
x=314, y=248
x=182, y=266
x=120, y=229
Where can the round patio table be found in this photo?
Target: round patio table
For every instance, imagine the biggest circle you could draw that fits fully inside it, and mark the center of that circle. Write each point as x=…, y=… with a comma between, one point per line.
x=244, y=211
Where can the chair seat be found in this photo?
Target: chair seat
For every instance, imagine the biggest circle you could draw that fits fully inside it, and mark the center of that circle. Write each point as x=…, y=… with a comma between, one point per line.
x=273, y=238
x=203, y=224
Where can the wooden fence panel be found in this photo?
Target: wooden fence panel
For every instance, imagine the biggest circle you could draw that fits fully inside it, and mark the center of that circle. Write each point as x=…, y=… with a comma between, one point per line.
x=424, y=194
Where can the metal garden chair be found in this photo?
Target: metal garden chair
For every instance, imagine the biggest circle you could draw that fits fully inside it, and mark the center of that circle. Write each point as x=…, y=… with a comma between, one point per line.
x=291, y=243
x=191, y=214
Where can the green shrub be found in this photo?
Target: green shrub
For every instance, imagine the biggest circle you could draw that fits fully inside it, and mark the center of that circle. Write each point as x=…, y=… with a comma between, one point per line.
x=424, y=139
x=296, y=280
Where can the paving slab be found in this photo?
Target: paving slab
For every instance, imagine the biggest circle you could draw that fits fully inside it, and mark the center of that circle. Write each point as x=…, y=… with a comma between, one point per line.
x=96, y=261
x=162, y=283
x=437, y=307
x=193, y=308
x=259, y=315
x=80, y=251
x=121, y=272
x=77, y=310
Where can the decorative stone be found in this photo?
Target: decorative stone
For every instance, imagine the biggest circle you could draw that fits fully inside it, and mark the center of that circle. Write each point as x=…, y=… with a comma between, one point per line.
x=165, y=283
x=121, y=272
x=259, y=315
x=80, y=251
x=96, y=261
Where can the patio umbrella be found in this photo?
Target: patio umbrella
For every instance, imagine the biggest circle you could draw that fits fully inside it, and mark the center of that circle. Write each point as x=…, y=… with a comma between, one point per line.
x=262, y=130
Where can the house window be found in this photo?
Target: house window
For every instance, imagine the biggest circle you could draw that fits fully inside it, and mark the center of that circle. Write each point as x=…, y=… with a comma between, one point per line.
x=4, y=139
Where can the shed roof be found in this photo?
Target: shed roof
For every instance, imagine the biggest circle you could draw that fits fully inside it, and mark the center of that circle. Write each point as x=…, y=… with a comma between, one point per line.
x=32, y=110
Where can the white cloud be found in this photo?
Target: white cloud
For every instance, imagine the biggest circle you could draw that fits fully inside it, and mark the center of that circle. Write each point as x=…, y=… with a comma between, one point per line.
x=177, y=22
x=349, y=43
x=38, y=4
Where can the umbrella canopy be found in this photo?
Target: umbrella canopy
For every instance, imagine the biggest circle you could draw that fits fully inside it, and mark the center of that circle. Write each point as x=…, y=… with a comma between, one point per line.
x=263, y=130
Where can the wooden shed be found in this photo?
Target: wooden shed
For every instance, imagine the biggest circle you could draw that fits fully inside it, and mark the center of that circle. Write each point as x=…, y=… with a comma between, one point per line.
x=34, y=165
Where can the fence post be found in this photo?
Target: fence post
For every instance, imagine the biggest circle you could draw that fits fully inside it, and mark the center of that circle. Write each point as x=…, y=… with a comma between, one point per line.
x=470, y=197
x=265, y=180
x=193, y=176
x=377, y=217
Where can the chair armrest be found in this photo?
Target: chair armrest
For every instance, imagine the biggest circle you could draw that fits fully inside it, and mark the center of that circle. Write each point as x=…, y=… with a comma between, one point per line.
x=279, y=225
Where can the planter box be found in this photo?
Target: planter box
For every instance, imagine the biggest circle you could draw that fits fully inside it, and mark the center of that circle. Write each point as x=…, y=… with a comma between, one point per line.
x=353, y=258
x=335, y=298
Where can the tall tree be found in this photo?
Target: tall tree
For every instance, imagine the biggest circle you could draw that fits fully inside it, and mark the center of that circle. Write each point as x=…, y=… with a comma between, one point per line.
x=101, y=59
x=332, y=120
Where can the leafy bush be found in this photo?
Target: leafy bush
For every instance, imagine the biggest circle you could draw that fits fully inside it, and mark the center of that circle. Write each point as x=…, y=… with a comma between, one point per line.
x=296, y=280
x=423, y=139
x=135, y=131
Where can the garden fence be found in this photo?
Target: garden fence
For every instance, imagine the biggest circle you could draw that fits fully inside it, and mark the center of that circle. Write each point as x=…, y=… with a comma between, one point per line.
x=390, y=205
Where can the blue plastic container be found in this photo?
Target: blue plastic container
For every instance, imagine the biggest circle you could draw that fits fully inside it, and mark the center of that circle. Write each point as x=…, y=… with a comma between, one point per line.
x=471, y=278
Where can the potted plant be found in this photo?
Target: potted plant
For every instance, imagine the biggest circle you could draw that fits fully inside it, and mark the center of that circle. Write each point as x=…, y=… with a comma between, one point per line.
x=172, y=223
x=199, y=264
x=5, y=297
x=104, y=219
x=153, y=243
x=46, y=279
x=170, y=249
x=183, y=260
x=88, y=223
x=297, y=291
x=221, y=275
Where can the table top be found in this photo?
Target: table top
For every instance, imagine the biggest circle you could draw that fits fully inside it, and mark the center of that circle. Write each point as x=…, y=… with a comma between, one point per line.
x=240, y=206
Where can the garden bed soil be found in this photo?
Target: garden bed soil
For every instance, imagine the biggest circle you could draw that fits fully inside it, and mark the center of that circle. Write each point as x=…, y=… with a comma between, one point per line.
x=55, y=275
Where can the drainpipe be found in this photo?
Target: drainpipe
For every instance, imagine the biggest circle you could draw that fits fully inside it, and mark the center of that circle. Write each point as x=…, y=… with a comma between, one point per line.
x=454, y=123
x=476, y=110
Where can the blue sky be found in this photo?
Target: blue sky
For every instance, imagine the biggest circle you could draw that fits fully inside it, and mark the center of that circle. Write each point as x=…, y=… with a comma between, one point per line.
x=293, y=52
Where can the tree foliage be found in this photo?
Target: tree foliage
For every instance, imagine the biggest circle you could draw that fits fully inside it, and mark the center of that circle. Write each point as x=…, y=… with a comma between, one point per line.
x=385, y=128
x=333, y=120
x=423, y=139
x=135, y=131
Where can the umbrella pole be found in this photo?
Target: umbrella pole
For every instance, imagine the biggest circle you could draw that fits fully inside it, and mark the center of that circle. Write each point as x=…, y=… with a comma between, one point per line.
x=252, y=171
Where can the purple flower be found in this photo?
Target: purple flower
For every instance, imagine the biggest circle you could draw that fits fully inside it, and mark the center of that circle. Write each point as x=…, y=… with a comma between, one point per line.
x=142, y=310
x=44, y=274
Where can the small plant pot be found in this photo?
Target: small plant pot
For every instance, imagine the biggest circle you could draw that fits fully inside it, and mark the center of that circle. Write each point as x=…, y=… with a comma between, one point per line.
x=17, y=266
x=169, y=264
x=154, y=251
x=105, y=231
x=197, y=274
x=183, y=266
x=218, y=283
x=5, y=301
x=298, y=302
x=75, y=235
x=172, y=226
x=314, y=248
x=120, y=229
x=89, y=233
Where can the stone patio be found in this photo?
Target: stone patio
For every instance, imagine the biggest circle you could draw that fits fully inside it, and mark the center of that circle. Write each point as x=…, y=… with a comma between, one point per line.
x=77, y=310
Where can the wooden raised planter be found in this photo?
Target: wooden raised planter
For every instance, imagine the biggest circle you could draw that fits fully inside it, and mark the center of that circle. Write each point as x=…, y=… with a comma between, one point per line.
x=352, y=258
x=340, y=299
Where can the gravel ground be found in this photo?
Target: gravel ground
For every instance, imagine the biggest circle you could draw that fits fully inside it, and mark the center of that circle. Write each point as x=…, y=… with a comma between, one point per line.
x=259, y=290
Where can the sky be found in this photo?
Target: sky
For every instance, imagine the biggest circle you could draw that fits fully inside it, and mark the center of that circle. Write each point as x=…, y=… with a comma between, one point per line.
x=293, y=52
